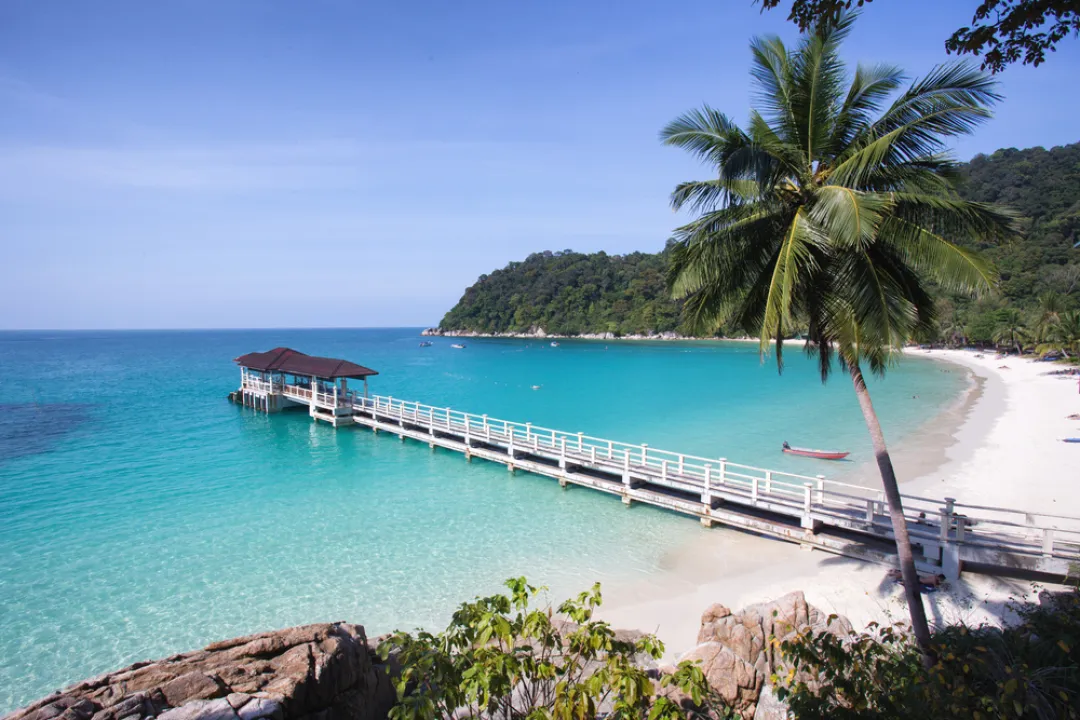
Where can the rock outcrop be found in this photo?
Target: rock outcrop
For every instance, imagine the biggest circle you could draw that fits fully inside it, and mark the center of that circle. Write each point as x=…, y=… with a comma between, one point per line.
x=313, y=672
x=738, y=656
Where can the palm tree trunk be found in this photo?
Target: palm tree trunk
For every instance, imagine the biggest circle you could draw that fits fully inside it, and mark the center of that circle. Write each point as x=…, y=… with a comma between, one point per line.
x=896, y=511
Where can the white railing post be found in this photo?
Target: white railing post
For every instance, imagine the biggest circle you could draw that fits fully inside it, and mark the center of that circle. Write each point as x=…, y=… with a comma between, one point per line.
x=592, y=454
x=509, y=442
x=468, y=438
x=821, y=489
x=682, y=464
x=870, y=511
x=562, y=453
x=808, y=500
x=528, y=433
x=768, y=482
x=723, y=471
x=1048, y=542
x=644, y=454
x=580, y=441
x=753, y=492
x=610, y=449
x=487, y=429
x=706, y=492
x=663, y=470
x=626, y=469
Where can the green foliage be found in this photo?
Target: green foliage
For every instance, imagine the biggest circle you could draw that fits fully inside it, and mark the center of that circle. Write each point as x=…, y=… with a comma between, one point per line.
x=834, y=209
x=1002, y=31
x=569, y=293
x=1028, y=670
x=503, y=658
x=1043, y=188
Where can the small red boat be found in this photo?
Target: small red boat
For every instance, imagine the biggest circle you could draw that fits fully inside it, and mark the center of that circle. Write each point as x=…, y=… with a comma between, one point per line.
x=819, y=454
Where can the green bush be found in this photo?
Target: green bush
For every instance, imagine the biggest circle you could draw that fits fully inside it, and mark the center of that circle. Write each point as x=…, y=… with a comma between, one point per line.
x=1028, y=670
x=502, y=658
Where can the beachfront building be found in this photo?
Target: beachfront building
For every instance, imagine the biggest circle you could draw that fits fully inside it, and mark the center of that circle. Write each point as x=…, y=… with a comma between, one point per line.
x=280, y=378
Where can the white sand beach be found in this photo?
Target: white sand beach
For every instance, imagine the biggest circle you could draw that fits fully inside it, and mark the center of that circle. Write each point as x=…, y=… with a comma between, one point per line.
x=1000, y=446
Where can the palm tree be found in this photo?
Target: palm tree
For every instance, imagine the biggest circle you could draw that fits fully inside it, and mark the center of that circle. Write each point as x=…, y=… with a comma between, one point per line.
x=1011, y=330
x=831, y=213
x=1065, y=335
x=1051, y=305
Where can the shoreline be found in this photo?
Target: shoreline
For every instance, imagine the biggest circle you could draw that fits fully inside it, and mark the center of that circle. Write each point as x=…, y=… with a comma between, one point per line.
x=979, y=449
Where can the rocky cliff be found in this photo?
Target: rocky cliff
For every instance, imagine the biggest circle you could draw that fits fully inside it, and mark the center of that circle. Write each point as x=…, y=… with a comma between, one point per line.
x=313, y=672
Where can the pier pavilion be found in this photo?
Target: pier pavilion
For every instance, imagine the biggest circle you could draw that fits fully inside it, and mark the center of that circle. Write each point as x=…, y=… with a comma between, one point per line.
x=274, y=380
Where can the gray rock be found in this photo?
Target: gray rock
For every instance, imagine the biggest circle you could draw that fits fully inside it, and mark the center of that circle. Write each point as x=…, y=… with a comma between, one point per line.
x=769, y=706
x=219, y=709
x=261, y=708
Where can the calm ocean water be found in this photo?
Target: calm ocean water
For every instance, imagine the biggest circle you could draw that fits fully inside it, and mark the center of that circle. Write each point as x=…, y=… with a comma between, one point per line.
x=142, y=514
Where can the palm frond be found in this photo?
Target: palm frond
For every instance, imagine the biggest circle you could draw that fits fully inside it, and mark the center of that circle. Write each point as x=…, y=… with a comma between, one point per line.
x=704, y=132
x=870, y=86
x=852, y=217
x=955, y=269
x=709, y=195
x=771, y=69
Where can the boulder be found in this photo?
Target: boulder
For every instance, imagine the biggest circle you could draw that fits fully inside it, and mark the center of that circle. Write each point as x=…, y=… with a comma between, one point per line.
x=738, y=651
x=326, y=671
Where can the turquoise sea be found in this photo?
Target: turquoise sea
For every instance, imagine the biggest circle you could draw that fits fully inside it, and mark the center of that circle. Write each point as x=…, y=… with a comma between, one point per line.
x=142, y=514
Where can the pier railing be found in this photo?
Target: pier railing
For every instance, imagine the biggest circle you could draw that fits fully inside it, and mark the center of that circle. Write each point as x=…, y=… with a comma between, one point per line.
x=712, y=482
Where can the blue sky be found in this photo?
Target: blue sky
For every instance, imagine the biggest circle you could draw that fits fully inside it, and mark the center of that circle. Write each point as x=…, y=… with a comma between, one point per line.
x=259, y=163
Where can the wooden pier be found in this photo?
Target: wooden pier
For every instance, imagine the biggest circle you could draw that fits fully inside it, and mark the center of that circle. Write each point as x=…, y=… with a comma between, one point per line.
x=814, y=512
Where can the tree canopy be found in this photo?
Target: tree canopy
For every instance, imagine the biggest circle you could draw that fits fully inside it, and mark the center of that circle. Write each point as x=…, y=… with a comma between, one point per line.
x=1002, y=32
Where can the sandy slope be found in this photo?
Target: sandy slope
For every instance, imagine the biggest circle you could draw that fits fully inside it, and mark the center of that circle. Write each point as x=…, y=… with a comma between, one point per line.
x=1001, y=446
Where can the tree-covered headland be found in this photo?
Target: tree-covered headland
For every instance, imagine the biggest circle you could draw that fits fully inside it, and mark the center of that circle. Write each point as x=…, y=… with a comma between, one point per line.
x=1037, y=295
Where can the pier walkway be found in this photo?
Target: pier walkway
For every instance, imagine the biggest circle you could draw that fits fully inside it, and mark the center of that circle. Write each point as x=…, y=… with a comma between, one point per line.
x=815, y=512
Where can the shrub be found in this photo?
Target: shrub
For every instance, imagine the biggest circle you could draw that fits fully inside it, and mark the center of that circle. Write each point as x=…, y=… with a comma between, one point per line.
x=502, y=658
x=1028, y=670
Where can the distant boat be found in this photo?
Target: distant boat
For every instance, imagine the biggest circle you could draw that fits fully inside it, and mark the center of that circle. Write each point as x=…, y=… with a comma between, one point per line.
x=554, y=344
x=457, y=346
x=425, y=343
x=819, y=454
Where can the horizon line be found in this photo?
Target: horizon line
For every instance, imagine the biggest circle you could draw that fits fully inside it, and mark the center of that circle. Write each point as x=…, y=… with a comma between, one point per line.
x=218, y=329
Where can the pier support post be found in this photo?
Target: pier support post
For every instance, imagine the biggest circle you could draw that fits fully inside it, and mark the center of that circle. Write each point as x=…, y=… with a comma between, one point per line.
x=950, y=548
x=510, y=468
x=562, y=483
x=807, y=521
x=706, y=491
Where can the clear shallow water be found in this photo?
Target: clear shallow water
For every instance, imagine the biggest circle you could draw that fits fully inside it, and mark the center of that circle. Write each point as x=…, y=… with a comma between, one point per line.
x=142, y=514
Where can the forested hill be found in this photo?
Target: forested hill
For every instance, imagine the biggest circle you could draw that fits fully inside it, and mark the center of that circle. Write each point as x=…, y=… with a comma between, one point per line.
x=571, y=293
x=1043, y=186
